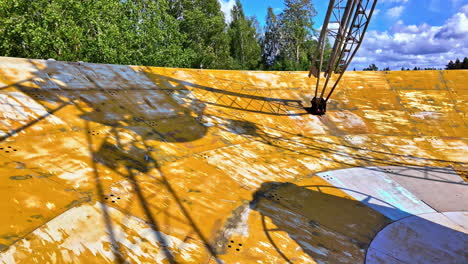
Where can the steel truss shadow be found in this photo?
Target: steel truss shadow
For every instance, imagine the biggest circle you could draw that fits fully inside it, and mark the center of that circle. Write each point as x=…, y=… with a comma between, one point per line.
x=314, y=147
x=137, y=157
x=249, y=99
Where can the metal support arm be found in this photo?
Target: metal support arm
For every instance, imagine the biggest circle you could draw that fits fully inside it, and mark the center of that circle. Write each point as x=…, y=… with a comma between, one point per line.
x=345, y=24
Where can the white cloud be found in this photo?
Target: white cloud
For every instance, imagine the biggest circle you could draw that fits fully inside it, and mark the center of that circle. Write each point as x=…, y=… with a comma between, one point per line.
x=226, y=7
x=395, y=12
x=464, y=9
x=457, y=26
x=416, y=45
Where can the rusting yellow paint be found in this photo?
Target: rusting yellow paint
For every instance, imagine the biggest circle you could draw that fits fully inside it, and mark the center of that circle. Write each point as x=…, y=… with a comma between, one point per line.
x=117, y=152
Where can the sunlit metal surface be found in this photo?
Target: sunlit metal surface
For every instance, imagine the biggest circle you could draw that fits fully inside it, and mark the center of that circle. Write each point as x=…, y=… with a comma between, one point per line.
x=128, y=164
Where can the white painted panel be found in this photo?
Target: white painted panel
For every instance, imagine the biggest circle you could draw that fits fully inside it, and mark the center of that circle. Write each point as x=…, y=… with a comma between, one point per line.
x=459, y=218
x=424, y=239
x=441, y=188
x=373, y=188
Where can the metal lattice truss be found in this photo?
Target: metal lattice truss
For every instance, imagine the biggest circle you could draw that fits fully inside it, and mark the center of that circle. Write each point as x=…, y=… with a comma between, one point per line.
x=345, y=24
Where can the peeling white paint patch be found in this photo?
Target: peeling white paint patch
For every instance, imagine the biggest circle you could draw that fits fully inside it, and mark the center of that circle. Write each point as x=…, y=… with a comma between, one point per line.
x=272, y=132
x=267, y=79
x=343, y=156
x=81, y=230
x=8, y=257
x=75, y=174
x=185, y=78
x=265, y=244
x=242, y=227
x=356, y=139
x=319, y=250
x=50, y=205
x=348, y=119
x=239, y=161
x=311, y=164
x=311, y=122
x=32, y=202
x=427, y=115
x=20, y=107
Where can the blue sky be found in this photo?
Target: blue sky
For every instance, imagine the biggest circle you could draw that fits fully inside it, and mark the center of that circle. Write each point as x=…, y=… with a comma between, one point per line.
x=403, y=33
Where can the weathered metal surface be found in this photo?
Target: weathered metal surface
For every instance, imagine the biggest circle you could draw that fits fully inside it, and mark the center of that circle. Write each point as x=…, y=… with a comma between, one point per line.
x=440, y=188
x=458, y=218
x=376, y=190
x=423, y=239
x=107, y=163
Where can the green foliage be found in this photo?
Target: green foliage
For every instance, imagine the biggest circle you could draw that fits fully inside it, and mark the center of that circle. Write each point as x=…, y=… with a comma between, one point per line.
x=371, y=67
x=244, y=46
x=151, y=34
x=458, y=65
x=271, y=40
x=288, y=43
x=111, y=31
x=203, y=24
x=296, y=30
x=174, y=33
x=465, y=63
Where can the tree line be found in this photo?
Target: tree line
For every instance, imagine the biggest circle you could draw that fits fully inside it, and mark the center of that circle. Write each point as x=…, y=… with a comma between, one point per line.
x=374, y=67
x=457, y=65
x=167, y=33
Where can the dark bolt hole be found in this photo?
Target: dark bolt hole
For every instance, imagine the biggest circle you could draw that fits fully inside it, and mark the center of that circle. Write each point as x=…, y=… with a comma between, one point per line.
x=111, y=195
x=237, y=249
x=106, y=198
x=113, y=201
x=232, y=241
x=7, y=151
x=9, y=146
x=240, y=245
x=118, y=198
x=229, y=246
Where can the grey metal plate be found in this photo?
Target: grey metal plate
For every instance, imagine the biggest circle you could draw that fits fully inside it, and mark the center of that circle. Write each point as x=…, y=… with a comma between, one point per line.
x=441, y=188
x=423, y=239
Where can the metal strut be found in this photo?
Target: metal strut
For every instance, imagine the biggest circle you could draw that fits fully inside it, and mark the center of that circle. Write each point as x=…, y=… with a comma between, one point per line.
x=346, y=23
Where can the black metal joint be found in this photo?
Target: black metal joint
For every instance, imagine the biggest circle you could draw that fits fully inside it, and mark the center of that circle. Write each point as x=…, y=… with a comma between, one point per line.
x=319, y=106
